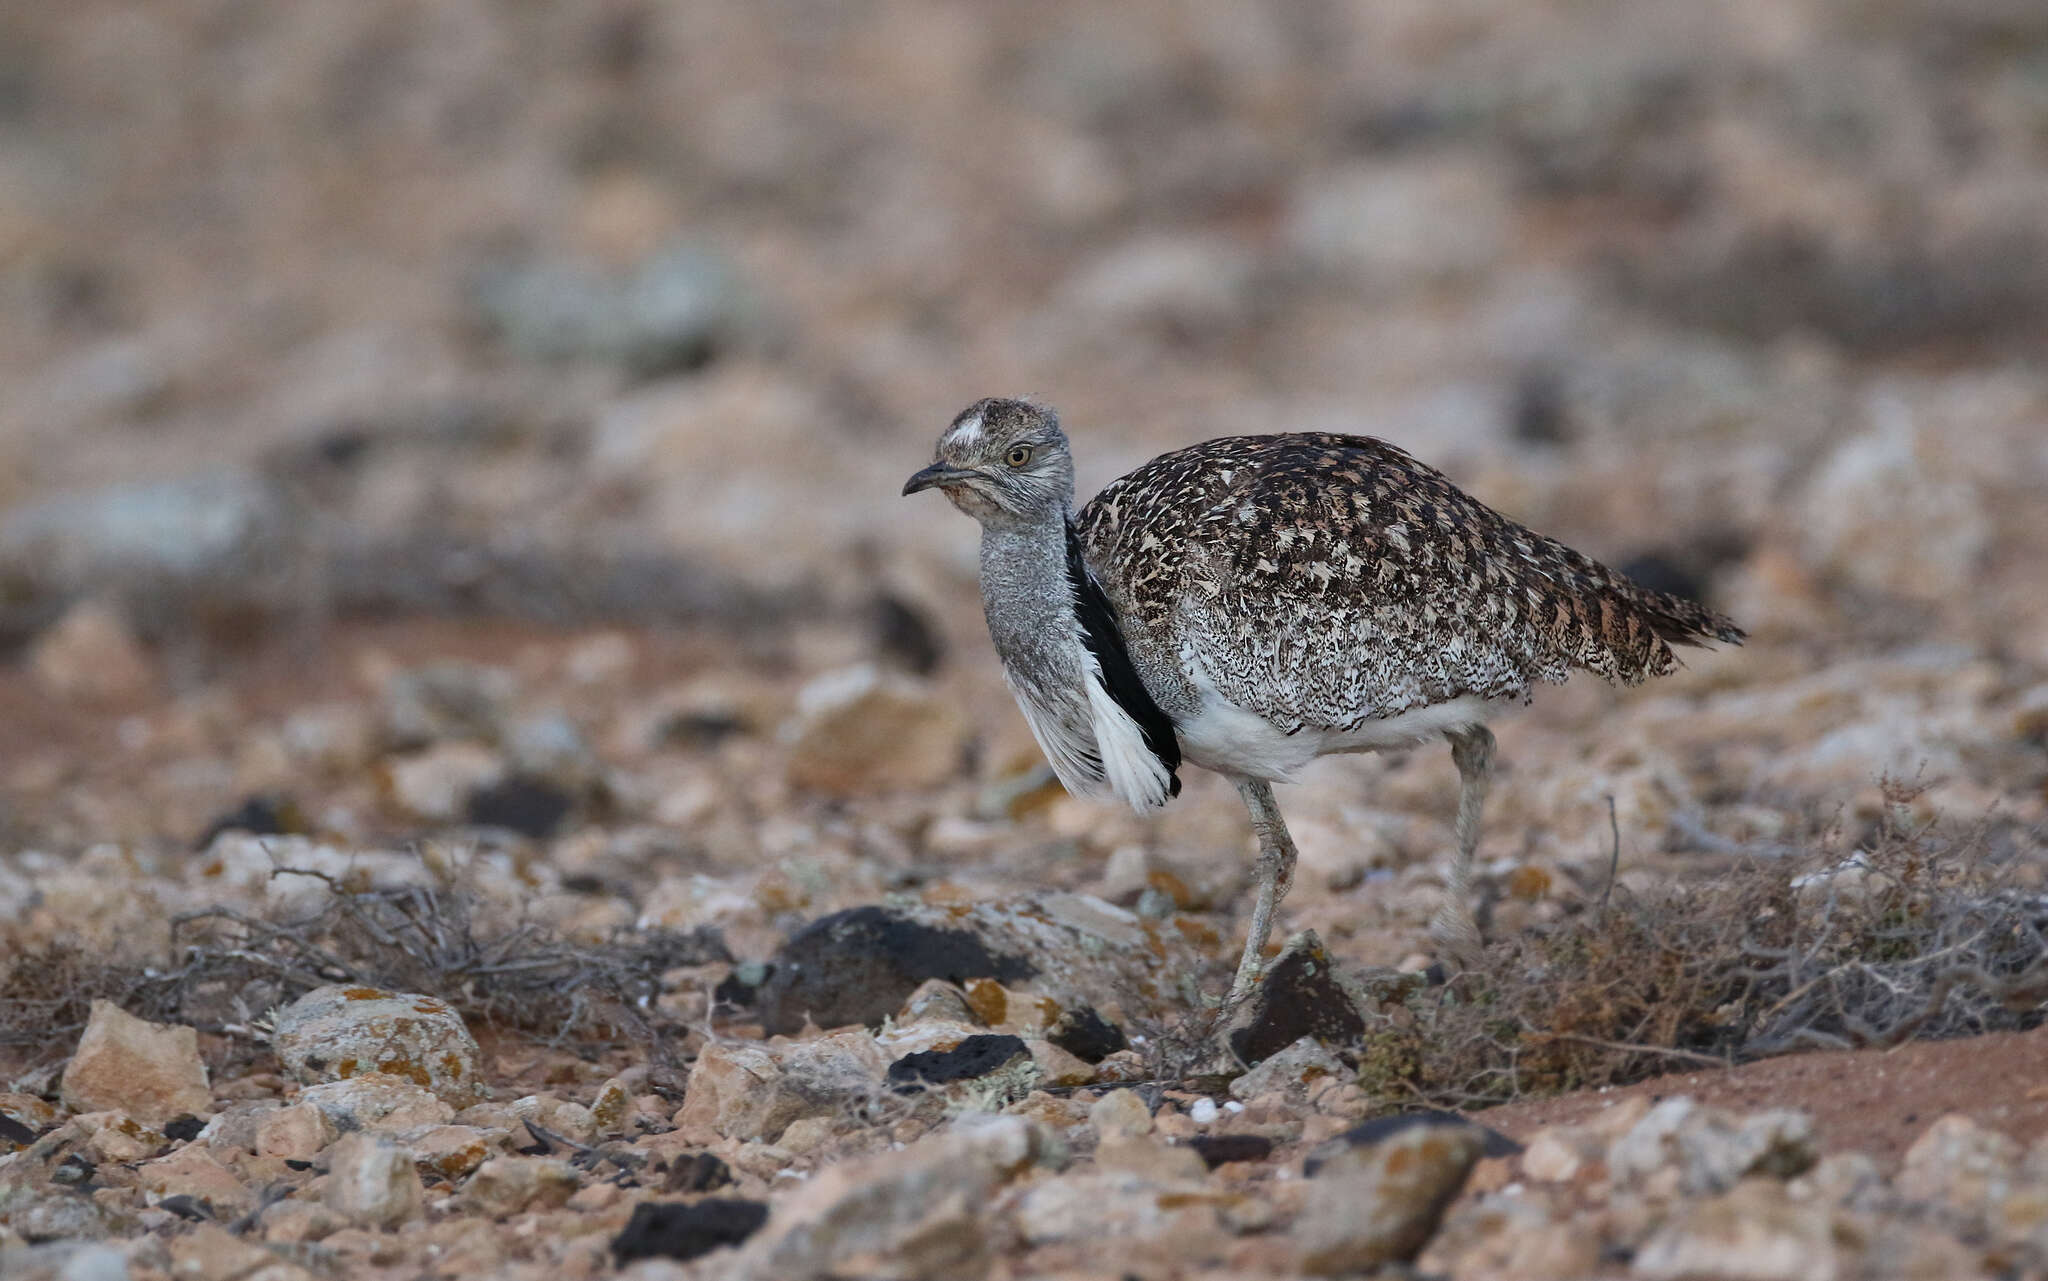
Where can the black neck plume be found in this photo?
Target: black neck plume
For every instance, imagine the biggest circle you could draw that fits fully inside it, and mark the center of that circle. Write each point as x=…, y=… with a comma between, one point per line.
x=1105, y=639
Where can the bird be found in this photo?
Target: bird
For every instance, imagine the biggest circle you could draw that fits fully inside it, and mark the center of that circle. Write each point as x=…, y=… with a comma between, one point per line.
x=1251, y=603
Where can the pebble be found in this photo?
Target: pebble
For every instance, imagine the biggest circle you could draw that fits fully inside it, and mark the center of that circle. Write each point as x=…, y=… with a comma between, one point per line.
x=371, y=1182
x=150, y=1071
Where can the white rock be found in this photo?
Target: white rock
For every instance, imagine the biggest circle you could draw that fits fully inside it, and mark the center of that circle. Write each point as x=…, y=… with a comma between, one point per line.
x=372, y=1183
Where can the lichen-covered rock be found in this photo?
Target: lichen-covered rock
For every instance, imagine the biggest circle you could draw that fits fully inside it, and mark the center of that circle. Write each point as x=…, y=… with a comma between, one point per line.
x=338, y=1032
x=151, y=1071
x=449, y=1151
x=1381, y=1202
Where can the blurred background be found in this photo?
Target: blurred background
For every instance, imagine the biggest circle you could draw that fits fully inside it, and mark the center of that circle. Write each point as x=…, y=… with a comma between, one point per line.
x=415, y=414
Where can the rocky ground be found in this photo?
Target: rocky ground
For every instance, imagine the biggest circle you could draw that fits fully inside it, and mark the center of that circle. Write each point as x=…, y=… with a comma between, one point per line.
x=492, y=777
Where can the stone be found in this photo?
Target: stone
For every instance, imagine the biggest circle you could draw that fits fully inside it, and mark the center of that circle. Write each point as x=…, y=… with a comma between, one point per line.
x=920, y=1212
x=377, y=1102
x=1401, y=224
x=686, y=1230
x=371, y=1182
x=296, y=1133
x=343, y=1031
x=753, y=1091
x=611, y=1110
x=1711, y=1149
x=1299, y=995
x=1056, y=1067
x=861, y=964
x=669, y=315
x=438, y=782
x=218, y=536
x=1151, y=1159
x=1381, y=1202
x=1181, y=284
x=1120, y=1114
x=151, y=1071
x=1753, y=1232
x=980, y=1055
x=449, y=1151
x=1299, y=1072
x=568, y=1119
x=935, y=1000
x=90, y=655
x=1119, y=1205
x=118, y=1137
x=1222, y=1149
x=235, y=1129
x=861, y=730
x=1514, y=1234
x=193, y=1171
x=1962, y=1165
x=439, y=702
x=1086, y=1035
x=295, y=1221
x=1890, y=512
x=507, y=1185
x=212, y=1252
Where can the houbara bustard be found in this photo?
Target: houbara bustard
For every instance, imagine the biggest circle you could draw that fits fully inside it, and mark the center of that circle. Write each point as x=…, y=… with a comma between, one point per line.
x=1251, y=603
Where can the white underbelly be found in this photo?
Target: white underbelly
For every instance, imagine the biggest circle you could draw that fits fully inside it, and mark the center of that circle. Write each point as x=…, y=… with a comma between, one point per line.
x=1231, y=740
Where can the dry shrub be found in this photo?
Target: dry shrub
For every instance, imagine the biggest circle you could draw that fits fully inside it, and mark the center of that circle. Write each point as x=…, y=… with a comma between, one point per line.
x=229, y=968
x=1913, y=932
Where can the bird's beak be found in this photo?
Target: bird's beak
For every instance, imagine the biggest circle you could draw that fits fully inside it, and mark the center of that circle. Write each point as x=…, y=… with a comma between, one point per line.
x=936, y=476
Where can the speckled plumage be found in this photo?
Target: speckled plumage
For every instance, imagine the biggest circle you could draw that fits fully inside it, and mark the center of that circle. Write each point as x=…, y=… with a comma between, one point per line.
x=1323, y=581
x=1251, y=603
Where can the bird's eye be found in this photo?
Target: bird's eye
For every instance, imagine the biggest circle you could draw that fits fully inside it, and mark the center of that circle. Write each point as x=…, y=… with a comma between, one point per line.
x=1018, y=455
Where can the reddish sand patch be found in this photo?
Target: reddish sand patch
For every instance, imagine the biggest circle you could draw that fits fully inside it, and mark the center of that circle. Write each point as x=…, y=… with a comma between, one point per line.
x=1874, y=1101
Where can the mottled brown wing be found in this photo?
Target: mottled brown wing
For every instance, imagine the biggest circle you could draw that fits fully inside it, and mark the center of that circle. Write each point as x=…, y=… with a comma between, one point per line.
x=1325, y=580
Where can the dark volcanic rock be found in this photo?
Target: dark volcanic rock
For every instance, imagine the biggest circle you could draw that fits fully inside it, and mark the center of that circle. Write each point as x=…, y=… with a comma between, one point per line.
x=532, y=807
x=698, y=1172
x=857, y=966
x=860, y=965
x=1221, y=1149
x=1382, y=1128
x=1087, y=1036
x=673, y=1230
x=1301, y=995
x=973, y=1057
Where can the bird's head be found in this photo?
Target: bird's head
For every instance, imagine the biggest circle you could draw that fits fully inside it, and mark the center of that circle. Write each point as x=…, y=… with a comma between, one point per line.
x=1003, y=462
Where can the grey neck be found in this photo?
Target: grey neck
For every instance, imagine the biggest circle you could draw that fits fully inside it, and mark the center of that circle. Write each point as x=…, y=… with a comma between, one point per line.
x=1030, y=604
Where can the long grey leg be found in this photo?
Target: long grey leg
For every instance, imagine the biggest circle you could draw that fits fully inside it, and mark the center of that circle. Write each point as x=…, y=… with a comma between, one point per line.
x=1276, y=877
x=1454, y=928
